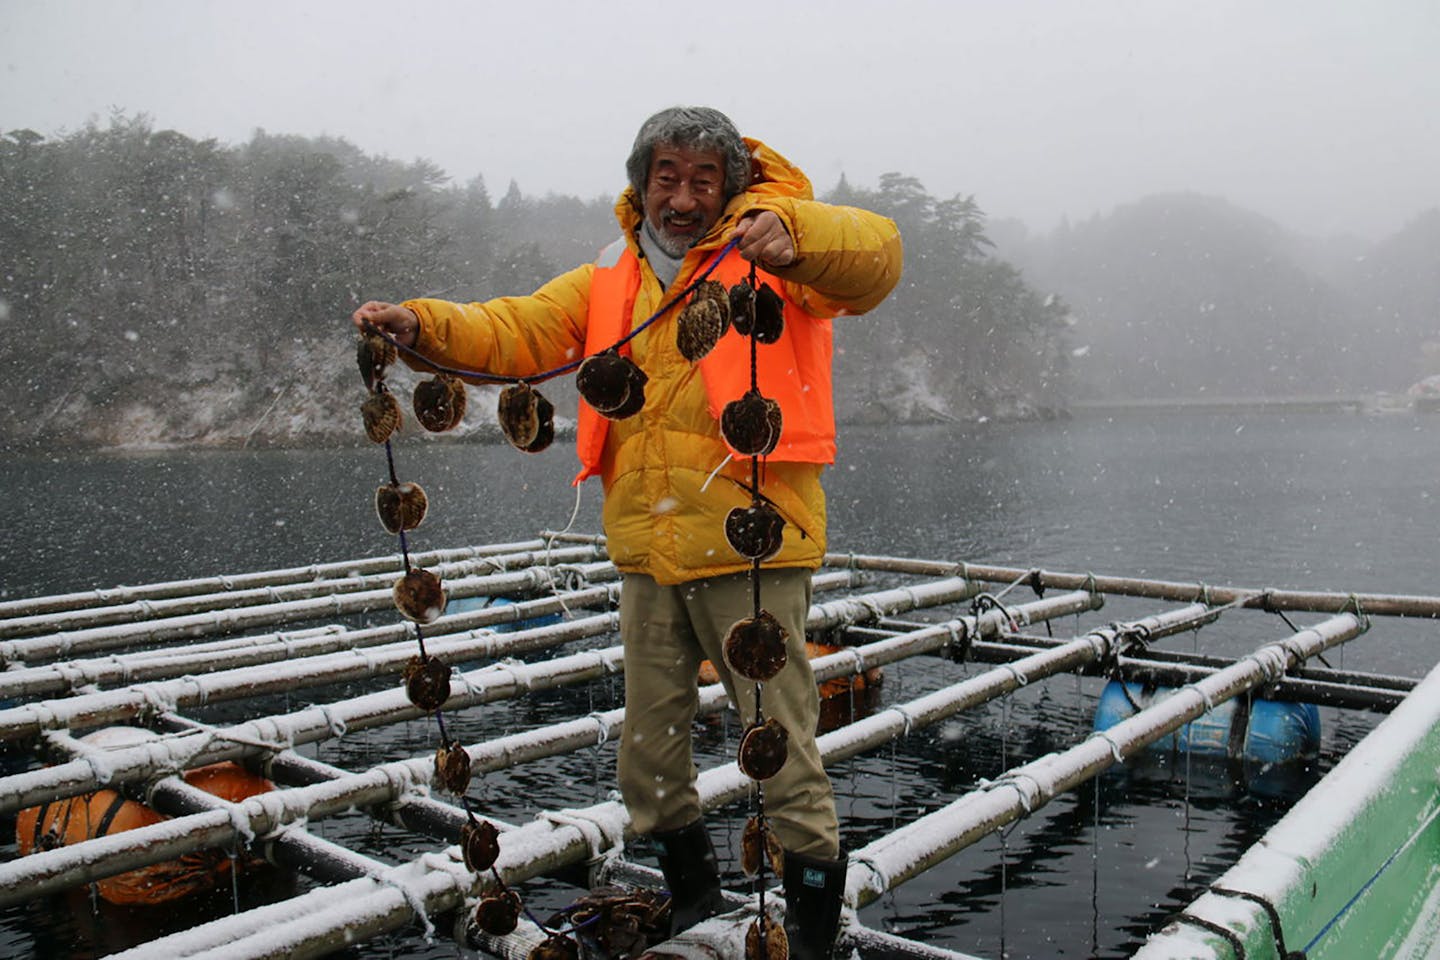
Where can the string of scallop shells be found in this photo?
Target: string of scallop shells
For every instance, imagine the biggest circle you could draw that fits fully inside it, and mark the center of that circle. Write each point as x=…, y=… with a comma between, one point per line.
x=615, y=387
x=755, y=647
x=439, y=405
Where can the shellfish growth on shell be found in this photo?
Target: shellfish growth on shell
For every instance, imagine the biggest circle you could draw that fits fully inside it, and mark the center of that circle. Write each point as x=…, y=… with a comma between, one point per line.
x=764, y=749
x=439, y=402
x=755, y=647
x=419, y=596
x=703, y=321
x=427, y=683
x=381, y=413
x=612, y=384
x=373, y=354
x=751, y=425
x=755, y=532
x=400, y=506
x=526, y=418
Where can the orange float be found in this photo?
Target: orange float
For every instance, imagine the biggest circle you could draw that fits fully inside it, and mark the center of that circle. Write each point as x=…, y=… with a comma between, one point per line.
x=852, y=683
x=106, y=812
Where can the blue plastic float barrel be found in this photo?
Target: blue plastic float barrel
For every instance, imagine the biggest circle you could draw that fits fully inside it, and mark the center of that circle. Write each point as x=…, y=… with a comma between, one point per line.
x=469, y=604
x=1253, y=729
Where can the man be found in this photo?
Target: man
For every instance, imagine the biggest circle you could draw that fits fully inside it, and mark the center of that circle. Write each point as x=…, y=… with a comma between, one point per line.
x=670, y=478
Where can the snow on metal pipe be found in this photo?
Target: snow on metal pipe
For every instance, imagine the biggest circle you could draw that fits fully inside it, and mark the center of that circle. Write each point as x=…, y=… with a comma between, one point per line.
x=390, y=782
x=917, y=846
x=152, y=610
x=308, y=725
x=355, y=660
x=114, y=706
x=157, y=664
x=1260, y=598
x=66, y=643
x=151, y=665
x=559, y=838
x=326, y=919
x=241, y=581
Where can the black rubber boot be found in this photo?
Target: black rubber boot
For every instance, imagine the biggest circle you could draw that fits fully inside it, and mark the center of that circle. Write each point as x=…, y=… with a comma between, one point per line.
x=814, y=892
x=691, y=872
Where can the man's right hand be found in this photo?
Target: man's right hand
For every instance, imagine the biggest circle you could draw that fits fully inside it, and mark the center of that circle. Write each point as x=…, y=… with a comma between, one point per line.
x=400, y=322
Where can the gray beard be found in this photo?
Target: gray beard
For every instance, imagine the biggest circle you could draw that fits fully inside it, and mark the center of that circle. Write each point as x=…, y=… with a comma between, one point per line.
x=662, y=252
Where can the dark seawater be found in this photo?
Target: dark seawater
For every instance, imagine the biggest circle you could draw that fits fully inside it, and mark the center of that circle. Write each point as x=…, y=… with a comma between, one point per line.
x=1319, y=501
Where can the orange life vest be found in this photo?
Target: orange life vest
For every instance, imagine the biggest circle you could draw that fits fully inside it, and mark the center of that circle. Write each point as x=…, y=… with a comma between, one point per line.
x=794, y=371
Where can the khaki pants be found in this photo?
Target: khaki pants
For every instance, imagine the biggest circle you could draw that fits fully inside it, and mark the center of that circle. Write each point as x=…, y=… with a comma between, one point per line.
x=667, y=631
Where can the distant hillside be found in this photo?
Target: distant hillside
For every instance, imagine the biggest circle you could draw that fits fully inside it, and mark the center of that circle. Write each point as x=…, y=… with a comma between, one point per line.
x=160, y=290
x=1184, y=295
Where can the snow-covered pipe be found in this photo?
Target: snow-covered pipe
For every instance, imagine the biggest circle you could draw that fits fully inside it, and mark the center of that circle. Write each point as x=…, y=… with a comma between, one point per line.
x=150, y=665
x=1259, y=598
x=69, y=643
x=124, y=704
x=268, y=596
x=917, y=846
x=389, y=783
x=244, y=581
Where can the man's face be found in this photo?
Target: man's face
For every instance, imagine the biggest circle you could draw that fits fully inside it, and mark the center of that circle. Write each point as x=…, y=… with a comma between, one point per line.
x=684, y=195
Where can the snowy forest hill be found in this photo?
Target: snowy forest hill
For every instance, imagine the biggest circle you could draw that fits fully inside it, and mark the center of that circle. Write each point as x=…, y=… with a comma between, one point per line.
x=162, y=291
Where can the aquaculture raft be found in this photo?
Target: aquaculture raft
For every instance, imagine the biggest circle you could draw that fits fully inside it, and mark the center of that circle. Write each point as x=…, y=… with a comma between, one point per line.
x=204, y=664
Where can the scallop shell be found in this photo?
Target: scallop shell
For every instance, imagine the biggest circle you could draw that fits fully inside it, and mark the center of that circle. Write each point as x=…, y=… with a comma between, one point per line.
x=755, y=647
x=427, y=683
x=751, y=425
x=773, y=945
x=755, y=532
x=769, y=315
x=612, y=384
x=381, y=413
x=452, y=767
x=703, y=321
x=479, y=845
x=419, y=596
x=757, y=840
x=557, y=946
x=526, y=418
x=498, y=913
x=742, y=307
x=373, y=354
x=439, y=402
x=764, y=749
x=400, y=506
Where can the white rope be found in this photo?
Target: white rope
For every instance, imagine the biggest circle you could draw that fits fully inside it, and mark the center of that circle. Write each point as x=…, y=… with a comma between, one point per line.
x=879, y=880
x=720, y=466
x=601, y=844
x=602, y=728
x=905, y=716
x=336, y=724
x=1204, y=695
x=392, y=878
x=1114, y=747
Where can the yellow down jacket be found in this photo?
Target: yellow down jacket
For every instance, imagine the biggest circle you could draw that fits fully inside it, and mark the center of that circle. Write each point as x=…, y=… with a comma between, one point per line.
x=660, y=516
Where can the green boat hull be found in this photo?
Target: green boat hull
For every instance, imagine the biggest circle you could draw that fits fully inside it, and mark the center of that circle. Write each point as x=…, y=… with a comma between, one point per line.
x=1353, y=871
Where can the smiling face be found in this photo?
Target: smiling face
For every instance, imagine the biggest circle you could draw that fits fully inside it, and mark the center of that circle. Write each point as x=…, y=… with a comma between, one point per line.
x=684, y=195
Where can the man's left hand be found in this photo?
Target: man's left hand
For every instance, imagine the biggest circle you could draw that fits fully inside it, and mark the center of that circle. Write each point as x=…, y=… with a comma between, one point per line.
x=763, y=238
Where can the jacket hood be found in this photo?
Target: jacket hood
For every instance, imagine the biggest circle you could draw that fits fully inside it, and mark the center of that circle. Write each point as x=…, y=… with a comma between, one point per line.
x=772, y=177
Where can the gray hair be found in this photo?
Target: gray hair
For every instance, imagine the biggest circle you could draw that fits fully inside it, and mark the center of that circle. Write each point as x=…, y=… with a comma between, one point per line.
x=694, y=128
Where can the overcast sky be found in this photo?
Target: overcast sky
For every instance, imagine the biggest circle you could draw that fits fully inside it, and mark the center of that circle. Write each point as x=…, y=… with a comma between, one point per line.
x=1319, y=114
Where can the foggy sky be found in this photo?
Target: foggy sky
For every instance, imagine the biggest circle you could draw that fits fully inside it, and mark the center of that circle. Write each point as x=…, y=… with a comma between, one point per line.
x=1320, y=115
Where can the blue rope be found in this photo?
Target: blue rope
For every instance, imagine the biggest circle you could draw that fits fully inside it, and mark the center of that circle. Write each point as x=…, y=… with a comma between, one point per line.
x=1371, y=882
x=482, y=377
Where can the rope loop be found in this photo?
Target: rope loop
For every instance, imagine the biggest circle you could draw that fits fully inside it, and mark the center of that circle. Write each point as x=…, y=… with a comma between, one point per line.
x=1114, y=747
